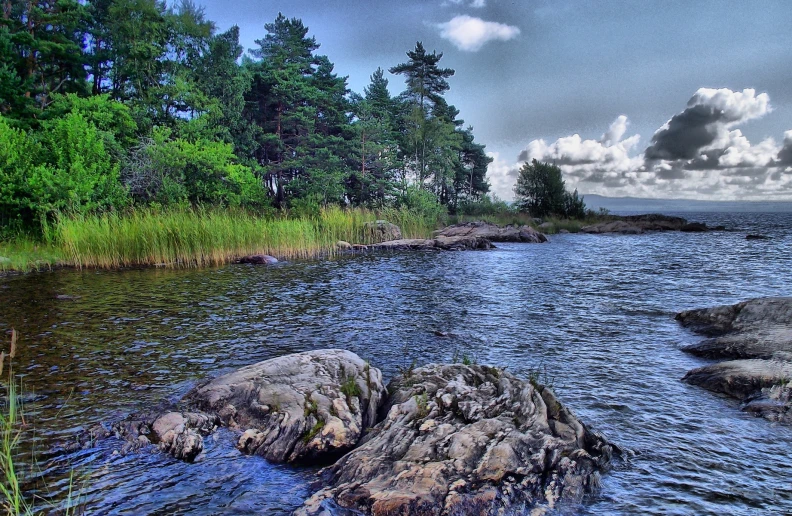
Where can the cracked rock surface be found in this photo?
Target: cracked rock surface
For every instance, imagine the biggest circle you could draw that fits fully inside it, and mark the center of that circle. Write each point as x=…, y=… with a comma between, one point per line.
x=493, y=232
x=304, y=406
x=459, y=440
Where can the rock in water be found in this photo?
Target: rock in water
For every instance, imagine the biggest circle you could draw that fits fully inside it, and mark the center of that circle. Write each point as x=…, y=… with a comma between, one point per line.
x=757, y=328
x=492, y=232
x=178, y=433
x=461, y=440
x=305, y=406
x=757, y=331
x=382, y=231
x=258, y=259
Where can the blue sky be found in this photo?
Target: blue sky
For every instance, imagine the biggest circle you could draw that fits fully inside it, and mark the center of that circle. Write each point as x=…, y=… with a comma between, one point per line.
x=532, y=74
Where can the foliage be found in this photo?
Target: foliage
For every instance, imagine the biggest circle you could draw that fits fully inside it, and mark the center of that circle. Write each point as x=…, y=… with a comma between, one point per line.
x=541, y=191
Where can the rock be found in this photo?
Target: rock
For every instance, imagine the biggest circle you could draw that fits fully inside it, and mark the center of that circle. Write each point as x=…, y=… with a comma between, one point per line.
x=694, y=227
x=546, y=225
x=305, y=406
x=636, y=224
x=492, y=232
x=344, y=246
x=759, y=332
x=719, y=228
x=464, y=440
x=757, y=237
x=178, y=433
x=382, y=231
x=444, y=243
x=563, y=231
x=359, y=247
x=756, y=328
x=258, y=259
x=741, y=378
x=537, y=220
x=615, y=226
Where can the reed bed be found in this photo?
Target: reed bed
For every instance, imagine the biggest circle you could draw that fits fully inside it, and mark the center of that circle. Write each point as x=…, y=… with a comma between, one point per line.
x=197, y=237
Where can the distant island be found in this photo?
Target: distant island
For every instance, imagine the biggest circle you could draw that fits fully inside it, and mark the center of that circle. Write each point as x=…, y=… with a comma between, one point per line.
x=637, y=204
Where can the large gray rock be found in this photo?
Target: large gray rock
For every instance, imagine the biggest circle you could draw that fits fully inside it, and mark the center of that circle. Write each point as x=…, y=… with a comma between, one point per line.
x=461, y=440
x=305, y=406
x=757, y=331
x=493, y=232
x=439, y=243
x=381, y=231
x=756, y=328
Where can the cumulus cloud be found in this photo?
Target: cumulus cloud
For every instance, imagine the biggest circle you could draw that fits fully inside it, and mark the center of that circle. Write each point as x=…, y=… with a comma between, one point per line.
x=705, y=122
x=502, y=176
x=699, y=154
x=470, y=34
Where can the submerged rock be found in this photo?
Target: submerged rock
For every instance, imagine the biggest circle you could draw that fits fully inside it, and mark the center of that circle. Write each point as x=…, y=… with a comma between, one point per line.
x=759, y=333
x=464, y=440
x=382, y=230
x=179, y=434
x=757, y=237
x=694, y=227
x=493, y=232
x=305, y=406
x=258, y=259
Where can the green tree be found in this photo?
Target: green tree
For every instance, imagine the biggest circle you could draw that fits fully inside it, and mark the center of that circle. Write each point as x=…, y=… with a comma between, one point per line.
x=426, y=84
x=541, y=191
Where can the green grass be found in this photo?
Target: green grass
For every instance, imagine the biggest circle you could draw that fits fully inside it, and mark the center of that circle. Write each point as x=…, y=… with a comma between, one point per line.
x=184, y=237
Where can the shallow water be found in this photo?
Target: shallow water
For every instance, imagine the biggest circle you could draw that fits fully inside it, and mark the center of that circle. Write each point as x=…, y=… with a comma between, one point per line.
x=593, y=313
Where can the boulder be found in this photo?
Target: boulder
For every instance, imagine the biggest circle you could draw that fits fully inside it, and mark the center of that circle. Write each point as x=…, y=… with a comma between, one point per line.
x=344, y=246
x=493, y=232
x=313, y=406
x=741, y=378
x=258, y=259
x=460, y=439
x=756, y=328
x=382, y=230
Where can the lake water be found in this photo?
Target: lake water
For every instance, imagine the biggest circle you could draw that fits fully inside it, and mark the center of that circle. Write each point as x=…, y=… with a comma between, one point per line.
x=594, y=312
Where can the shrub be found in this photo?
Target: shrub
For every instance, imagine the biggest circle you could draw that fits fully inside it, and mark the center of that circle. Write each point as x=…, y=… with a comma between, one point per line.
x=541, y=191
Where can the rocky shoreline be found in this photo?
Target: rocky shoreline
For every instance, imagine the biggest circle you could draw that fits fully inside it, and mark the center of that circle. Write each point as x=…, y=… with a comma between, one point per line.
x=756, y=337
x=638, y=224
x=440, y=439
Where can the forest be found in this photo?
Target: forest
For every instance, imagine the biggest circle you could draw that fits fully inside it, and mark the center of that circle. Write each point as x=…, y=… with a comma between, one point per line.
x=111, y=105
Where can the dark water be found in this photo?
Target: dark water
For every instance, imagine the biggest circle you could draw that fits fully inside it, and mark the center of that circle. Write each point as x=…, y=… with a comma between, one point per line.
x=594, y=312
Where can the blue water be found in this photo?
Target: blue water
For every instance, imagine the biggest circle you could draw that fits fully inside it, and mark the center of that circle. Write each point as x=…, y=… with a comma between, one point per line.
x=593, y=312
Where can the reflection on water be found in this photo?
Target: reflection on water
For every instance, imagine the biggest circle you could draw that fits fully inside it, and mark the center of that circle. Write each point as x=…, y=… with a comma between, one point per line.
x=595, y=312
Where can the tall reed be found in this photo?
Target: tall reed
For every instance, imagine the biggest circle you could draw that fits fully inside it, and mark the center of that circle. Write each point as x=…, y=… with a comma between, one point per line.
x=183, y=237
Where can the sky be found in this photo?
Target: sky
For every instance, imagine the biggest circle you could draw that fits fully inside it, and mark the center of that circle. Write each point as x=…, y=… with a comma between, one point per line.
x=672, y=99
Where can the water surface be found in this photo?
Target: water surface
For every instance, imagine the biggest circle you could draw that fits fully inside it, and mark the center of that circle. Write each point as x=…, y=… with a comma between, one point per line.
x=594, y=313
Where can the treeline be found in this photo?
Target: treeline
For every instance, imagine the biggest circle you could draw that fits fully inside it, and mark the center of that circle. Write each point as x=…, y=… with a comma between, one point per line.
x=110, y=103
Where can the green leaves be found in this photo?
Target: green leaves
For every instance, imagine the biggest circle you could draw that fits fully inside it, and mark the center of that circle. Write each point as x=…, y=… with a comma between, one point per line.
x=541, y=191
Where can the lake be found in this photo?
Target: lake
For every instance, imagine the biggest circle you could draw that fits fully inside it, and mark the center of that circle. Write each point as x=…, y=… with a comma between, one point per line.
x=593, y=313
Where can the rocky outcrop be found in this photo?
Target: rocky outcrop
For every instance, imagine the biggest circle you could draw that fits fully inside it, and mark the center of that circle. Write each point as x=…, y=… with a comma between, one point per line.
x=759, y=333
x=637, y=224
x=462, y=439
x=382, y=231
x=756, y=328
x=493, y=232
x=258, y=259
x=305, y=406
x=440, y=243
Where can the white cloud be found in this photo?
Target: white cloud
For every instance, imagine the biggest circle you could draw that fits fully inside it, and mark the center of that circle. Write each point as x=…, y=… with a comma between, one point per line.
x=470, y=34
x=502, y=175
x=698, y=154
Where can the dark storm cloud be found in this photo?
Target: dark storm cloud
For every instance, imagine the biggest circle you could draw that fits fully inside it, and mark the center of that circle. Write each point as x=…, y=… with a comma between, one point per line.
x=785, y=154
x=673, y=173
x=686, y=134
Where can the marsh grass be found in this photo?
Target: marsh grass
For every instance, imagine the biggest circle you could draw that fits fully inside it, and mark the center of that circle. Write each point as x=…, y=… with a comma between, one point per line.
x=186, y=237
x=14, y=500
x=25, y=254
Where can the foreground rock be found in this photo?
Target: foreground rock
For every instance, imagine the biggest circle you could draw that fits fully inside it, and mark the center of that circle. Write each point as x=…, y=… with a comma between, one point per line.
x=305, y=406
x=492, y=232
x=440, y=243
x=759, y=332
x=465, y=440
x=179, y=434
x=637, y=224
